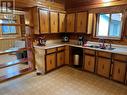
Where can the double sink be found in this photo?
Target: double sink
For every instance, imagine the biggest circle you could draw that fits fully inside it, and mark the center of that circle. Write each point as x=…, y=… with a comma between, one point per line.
x=98, y=47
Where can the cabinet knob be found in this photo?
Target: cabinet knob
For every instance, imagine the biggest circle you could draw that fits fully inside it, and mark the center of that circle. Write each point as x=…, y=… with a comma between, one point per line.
x=119, y=71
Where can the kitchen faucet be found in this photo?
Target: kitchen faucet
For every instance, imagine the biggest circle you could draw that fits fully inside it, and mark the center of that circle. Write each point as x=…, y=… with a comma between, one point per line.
x=102, y=46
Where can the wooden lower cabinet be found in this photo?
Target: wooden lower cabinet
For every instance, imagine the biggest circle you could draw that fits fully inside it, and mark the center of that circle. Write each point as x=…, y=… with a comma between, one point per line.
x=89, y=63
x=50, y=62
x=60, y=59
x=103, y=67
x=119, y=71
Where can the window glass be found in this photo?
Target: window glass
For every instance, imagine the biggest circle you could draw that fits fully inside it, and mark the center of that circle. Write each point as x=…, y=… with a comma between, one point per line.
x=115, y=25
x=8, y=29
x=103, y=24
x=109, y=25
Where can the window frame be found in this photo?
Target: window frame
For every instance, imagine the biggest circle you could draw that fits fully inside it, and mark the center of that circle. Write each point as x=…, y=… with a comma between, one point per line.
x=9, y=33
x=108, y=37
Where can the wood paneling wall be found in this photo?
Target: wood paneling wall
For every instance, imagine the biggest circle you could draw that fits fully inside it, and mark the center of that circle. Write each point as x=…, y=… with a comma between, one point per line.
x=74, y=5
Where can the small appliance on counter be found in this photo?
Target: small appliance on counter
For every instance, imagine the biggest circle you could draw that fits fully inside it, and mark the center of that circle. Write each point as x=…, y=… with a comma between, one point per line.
x=41, y=41
x=65, y=38
x=80, y=40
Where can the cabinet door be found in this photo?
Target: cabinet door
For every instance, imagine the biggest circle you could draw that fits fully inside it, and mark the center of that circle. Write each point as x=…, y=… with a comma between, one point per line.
x=44, y=21
x=89, y=63
x=70, y=22
x=50, y=62
x=90, y=23
x=61, y=22
x=54, y=22
x=119, y=70
x=67, y=53
x=60, y=58
x=81, y=22
x=103, y=67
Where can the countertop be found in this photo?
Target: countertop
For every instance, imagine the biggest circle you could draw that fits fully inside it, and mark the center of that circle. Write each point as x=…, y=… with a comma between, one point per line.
x=119, y=49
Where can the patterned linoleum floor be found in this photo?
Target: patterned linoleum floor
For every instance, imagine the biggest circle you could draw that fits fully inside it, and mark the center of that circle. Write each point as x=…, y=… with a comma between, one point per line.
x=64, y=81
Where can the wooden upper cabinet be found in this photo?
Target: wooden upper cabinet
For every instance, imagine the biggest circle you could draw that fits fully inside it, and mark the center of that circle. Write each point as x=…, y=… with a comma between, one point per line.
x=62, y=22
x=81, y=22
x=54, y=22
x=90, y=23
x=70, y=22
x=44, y=21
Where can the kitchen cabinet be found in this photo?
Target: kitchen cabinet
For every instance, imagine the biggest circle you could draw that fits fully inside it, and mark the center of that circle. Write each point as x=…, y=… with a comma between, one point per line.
x=89, y=60
x=54, y=22
x=90, y=23
x=119, y=71
x=103, y=67
x=70, y=22
x=50, y=62
x=44, y=21
x=60, y=58
x=89, y=63
x=67, y=55
x=119, y=68
x=62, y=17
x=81, y=22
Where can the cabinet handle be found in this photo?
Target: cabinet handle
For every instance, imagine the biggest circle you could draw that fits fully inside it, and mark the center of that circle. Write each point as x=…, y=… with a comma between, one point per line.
x=50, y=61
x=103, y=66
x=89, y=63
x=81, y=23
x=61, y=58
x=119, y=71
x=54, y=23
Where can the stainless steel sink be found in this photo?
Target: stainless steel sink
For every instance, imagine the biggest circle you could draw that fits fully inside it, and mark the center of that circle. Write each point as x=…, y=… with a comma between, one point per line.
x=98, y=47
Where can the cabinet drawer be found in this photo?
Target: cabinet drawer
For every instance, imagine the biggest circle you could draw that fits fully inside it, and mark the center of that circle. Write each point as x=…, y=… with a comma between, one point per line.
x=120, y=57
x=50, y=62
x=89, y=63
x=52, y=50
x=60, y=59
x=60, y=48
x=103, y=67
x=104, y=54
x=88, y=51
x=119, y=71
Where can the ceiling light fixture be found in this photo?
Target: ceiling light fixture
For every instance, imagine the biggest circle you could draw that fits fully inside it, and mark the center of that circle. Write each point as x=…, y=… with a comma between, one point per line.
x=106, y=0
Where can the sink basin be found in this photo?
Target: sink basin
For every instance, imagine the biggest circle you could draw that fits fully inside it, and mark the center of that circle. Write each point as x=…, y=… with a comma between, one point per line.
x=98, y=47
x=111, y=48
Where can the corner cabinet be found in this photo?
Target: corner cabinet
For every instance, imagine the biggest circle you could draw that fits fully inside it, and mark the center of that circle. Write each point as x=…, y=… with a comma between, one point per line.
x=60, y=56
x=50, y=62
x=62, y=18
x=44, y=21
x=70, y=22
x=81, y=19
x=54, y=22
x=50, y=59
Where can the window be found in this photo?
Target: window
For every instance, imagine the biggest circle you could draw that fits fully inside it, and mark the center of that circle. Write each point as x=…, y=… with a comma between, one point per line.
x=8, y=29
x=109, y=25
